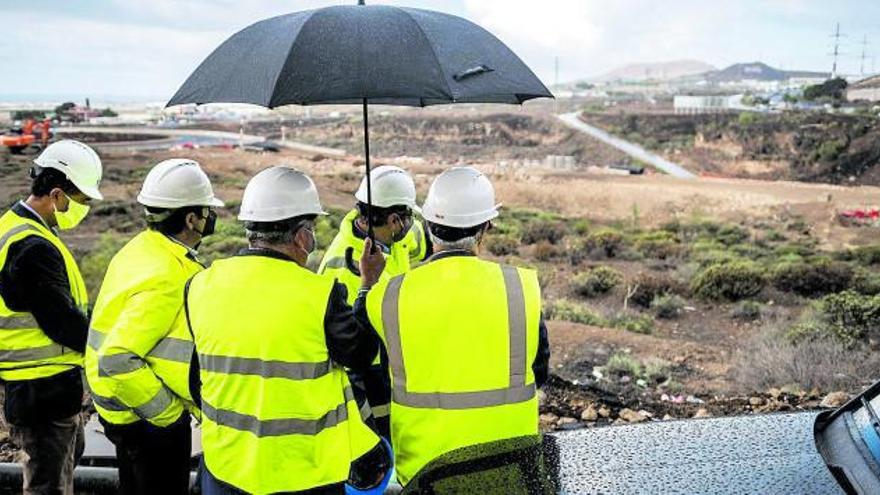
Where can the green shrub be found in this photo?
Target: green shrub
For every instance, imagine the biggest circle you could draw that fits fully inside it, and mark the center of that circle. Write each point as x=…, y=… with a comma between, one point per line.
x=543, y=231
x=501, y=245
x=812, y=279
x=850, y=316
x=710, y=252
x=658, y=244
x=867, y=255
x=94, y=264
x=746, y=311
x=633, y=322
x=620, y=364
x=866, y=282
x=565, y=310
x=606, y=242
x=596, y=281
x=730, y=234
x=581, y=227
x=648, y=286
x=729, y=281
x=668, y=306
x=228, y=239
x=656, y=370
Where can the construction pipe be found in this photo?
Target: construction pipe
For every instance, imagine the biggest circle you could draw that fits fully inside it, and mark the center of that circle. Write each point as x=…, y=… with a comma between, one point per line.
x=87, y=479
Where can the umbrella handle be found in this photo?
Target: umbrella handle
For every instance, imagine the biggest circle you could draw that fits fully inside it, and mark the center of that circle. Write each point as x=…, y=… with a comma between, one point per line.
x=369, y=181
x=349, y=261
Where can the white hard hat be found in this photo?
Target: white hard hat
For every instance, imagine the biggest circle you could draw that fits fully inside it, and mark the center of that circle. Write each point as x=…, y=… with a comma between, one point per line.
x=460, y=197
x=78, y=162
x=279, y=193
x=176, y=183
x=392, y=186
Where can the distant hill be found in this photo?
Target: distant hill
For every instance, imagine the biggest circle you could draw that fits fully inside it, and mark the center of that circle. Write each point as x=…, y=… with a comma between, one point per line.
x=758, y=71
x=660, y=71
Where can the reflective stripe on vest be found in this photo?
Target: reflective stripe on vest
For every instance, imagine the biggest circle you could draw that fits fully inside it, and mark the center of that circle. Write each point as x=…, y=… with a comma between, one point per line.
x=153, y=407
x=517, y=391
x=32, y=354
x=15, y=231
x=279, y=426
x=18, y=322
x=169, y=348
x=267, y=369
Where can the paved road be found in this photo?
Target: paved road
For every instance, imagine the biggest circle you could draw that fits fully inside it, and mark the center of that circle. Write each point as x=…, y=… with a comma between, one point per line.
x=633, y=150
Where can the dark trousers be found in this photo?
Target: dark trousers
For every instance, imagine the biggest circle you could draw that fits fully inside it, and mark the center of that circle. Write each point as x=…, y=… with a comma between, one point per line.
x=49, y=452
x=152, y=460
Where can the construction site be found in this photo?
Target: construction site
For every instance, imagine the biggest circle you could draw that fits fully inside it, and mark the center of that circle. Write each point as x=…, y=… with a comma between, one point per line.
x=644, y=327
x=695, y=245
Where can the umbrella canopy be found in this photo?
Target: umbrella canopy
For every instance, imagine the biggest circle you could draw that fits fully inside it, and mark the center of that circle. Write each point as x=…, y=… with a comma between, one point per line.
x=346, y=54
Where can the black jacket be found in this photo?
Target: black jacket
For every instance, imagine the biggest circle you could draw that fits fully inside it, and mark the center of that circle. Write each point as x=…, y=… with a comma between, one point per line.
x=34, y=279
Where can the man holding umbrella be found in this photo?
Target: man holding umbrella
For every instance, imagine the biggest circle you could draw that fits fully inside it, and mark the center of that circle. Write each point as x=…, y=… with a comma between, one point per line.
x=400, y=237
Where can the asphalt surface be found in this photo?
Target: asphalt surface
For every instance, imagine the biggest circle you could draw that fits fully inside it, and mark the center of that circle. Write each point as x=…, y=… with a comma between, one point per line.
x=572, y=120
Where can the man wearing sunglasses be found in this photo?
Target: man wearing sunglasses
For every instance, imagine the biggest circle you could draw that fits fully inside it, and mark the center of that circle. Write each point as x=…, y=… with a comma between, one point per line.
x=44, y=315
x=401, y=238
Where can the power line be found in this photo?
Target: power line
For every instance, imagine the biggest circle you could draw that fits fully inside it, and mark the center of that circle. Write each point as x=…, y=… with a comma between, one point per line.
x=864, y=55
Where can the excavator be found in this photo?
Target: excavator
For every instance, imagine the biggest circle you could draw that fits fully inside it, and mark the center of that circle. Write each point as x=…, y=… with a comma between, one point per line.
x=30, y=132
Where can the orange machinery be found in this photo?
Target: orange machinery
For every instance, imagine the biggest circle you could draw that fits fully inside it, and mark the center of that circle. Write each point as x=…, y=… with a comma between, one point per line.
x=31, y=131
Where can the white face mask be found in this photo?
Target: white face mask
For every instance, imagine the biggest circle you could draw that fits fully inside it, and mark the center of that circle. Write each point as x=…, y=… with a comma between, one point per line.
x=75, y=214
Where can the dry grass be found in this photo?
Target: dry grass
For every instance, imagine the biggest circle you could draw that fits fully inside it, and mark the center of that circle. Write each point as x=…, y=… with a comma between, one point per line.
x=769, y=359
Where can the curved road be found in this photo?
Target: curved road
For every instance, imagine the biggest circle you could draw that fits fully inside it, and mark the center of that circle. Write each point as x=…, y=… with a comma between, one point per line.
x=170, y=137
x=573, y=120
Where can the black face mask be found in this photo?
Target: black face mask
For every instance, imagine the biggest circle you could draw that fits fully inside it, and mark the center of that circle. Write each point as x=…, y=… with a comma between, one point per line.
x=210, y=224
x=407, y=225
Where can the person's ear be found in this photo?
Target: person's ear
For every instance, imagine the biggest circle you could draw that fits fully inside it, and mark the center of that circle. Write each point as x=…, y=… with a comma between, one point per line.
x=191, y=221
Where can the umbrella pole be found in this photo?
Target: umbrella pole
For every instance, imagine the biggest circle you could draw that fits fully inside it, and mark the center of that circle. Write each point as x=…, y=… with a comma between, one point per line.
x=369, y=181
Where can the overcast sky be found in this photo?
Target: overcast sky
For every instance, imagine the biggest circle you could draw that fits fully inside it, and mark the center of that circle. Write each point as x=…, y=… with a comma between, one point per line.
x=144, y=49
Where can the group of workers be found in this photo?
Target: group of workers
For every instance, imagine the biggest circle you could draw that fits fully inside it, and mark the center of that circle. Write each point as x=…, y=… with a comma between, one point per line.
x=404, y=341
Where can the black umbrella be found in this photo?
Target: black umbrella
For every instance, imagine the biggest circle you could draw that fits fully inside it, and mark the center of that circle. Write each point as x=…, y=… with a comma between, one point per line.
x=361, y=54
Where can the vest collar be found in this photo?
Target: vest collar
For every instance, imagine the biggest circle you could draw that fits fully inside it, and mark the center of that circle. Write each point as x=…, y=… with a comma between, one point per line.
x=268, y=253
x=449, y=254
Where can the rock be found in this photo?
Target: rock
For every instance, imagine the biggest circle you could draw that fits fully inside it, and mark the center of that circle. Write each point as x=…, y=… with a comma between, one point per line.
x=631, y=416
x=625, y=379
x=619, y=421
x=774, y=392
x=756, y=401
x=604, y=412
x=565, y=420
x=834, y=399
x=702, y=413
x=542, y=397
x=690, y=399
x=647, y=414
x=548, y=420
x=577, y=425
x=589, y=414
x=667, y=417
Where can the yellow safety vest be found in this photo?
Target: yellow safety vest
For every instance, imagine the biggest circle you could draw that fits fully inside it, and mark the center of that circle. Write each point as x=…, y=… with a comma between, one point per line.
x=138, y=357
x=403, y=254
x=278, y=415
x=26, y=352
x=461, y=335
